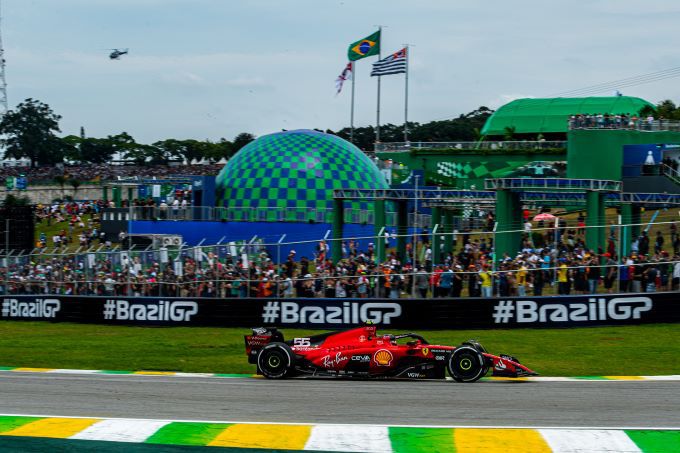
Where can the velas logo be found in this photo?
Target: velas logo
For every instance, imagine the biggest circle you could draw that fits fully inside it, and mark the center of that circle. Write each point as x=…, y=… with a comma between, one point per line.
x=363, y=47
x=383, y=357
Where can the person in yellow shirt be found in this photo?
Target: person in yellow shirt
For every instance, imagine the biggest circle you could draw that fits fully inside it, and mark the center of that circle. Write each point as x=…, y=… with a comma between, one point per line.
x=563, y=277
x=521, y=279
x=487, y=281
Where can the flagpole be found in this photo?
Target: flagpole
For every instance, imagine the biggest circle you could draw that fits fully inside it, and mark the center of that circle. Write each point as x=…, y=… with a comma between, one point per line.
x=408, y=51
x=377, y=121
x=351, y=116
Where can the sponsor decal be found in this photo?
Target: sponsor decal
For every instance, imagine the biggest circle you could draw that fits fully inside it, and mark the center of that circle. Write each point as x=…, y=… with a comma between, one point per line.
x=346, y=313
x=596, y=309
x=361, y=358
x=328, y=362
x=415, y=375
x=258, y=340
x=383, y=357
x=440, y=357
x=500, y=365
x=38, y=308
x=260, y=330
x=425, y=351
x=176, y=311
x=302, y=342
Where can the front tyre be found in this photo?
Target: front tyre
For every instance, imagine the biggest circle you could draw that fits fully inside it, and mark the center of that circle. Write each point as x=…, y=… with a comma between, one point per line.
x=275, y=361
x=466, y=364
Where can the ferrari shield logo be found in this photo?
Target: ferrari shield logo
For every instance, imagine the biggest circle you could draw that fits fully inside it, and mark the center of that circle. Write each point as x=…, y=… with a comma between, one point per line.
x=426, y=351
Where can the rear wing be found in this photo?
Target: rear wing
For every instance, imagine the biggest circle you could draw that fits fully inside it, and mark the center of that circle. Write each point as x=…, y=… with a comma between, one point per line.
x=261, y=337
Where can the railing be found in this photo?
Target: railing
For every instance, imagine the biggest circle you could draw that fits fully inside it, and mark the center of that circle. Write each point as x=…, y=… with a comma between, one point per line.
x=220, y=214
x=623, y=123
x=194, y=271
x=470, y=146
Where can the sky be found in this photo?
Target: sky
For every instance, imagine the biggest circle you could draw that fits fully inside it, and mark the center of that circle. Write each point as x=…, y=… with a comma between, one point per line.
x=210, y=69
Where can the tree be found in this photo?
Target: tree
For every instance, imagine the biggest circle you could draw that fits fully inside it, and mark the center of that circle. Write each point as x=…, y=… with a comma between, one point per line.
x=241, y=140
x=61, y=180
x=75, y=184
x=509, y=133
x=30, y=133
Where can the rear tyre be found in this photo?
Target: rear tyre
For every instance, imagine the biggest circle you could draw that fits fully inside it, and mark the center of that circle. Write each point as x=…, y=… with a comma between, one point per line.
x=275, y=361
x=466, y=364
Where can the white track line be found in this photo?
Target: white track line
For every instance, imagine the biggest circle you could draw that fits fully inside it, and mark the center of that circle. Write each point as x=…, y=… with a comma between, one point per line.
x=126, y=430
x=590, y=441
x=575, y=428
x=349, y=438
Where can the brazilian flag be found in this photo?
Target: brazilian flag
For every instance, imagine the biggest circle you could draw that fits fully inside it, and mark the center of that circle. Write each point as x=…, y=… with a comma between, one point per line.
x=363, y=48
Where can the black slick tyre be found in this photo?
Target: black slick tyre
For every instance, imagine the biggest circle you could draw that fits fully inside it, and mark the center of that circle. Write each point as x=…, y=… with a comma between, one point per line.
x=275, y=361
x=466, y=364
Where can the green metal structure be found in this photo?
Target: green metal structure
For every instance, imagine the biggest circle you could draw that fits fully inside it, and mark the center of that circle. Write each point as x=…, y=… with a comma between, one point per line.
x=551, y=115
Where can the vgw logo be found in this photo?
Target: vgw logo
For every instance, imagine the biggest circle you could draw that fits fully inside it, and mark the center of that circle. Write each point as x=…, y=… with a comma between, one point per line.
x=38, y=308
x=122, y=310
x=348, y=313
x=596, y=309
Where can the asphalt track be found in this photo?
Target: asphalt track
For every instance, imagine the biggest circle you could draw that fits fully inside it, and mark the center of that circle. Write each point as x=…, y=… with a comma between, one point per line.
x=651, y=404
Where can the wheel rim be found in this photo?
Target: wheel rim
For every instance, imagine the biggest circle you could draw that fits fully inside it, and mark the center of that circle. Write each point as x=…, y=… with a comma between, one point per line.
x=274, y=361
x=465, y=364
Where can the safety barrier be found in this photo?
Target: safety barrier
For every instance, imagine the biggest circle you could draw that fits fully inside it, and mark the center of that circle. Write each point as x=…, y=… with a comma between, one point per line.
x=469, y=313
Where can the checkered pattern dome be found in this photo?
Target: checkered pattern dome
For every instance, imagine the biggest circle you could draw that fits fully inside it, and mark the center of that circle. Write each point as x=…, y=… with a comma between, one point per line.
x=295, y=169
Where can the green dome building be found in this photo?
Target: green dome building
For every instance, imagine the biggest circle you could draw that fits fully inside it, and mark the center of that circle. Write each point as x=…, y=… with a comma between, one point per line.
x=295, y=169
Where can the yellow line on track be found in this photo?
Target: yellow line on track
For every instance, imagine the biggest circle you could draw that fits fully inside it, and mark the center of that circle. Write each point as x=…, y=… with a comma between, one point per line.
x=491, y=440
x=59, y=428
x=282, y=437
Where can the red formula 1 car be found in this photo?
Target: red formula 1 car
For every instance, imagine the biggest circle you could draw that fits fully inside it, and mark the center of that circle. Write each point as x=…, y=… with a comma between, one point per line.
x=359, y=352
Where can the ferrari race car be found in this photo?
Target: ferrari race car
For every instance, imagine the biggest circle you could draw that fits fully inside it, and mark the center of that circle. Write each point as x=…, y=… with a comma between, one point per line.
x=360, y=352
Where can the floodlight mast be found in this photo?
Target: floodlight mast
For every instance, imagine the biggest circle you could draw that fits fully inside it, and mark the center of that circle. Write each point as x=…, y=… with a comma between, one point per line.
x=3, y=83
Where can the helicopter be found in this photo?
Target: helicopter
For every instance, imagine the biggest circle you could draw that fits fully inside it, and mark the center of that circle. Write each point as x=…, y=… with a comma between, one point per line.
x=117, y=53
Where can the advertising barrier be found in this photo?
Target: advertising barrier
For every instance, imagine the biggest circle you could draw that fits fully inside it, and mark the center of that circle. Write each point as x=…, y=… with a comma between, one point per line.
x=567, y=311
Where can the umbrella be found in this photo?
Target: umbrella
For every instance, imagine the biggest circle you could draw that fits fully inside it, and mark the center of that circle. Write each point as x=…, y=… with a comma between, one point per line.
x=544, y=216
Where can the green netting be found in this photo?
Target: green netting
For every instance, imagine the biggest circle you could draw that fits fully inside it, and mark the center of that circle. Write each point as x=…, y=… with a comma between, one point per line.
x=533, y=116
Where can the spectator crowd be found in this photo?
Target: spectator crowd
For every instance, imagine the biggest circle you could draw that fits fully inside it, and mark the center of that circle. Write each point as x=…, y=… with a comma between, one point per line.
x=547, y=263
x=614, y=121
x=107, y=172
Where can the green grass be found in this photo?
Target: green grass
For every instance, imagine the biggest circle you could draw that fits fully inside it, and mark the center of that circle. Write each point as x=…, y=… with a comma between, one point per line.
x=630, y=350
x=56, y=227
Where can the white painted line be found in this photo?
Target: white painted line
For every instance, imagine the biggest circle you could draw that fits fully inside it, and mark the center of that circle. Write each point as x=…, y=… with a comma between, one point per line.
x=195, y=375
x=588, y=441
x=126, y=430
x=675, y=377
x=364, y=438
x=69, y=371
x=241, y=422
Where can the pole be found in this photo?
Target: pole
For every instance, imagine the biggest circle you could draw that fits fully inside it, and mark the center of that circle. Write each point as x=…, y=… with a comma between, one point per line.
x=407, y=51
x=351, y=115
x=6, y=255
x=377, y=120
x=415, y=235
x=618, y=258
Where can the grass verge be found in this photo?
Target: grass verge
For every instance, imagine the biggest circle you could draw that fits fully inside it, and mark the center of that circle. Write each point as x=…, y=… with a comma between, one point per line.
x=629, y=350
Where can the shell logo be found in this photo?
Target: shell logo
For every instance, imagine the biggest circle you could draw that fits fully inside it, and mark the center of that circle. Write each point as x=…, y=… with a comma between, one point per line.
x=383, y=357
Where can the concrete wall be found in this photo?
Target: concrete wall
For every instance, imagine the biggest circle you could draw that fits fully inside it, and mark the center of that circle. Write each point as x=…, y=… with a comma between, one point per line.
x=45, y=194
